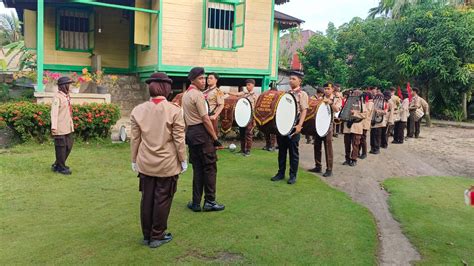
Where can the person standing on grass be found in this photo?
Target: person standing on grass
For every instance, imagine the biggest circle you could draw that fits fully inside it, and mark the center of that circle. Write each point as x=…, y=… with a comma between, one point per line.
x=290, y=144
x=62, y=126
x=246, y=133
x=202, y=142
x=158, y=156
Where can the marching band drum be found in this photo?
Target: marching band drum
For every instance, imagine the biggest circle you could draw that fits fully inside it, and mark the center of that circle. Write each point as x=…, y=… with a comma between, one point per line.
x=276, y=112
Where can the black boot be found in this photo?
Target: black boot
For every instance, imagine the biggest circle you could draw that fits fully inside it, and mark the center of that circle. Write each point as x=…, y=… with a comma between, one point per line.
x=156, y=243
x=194, y=207
x=363, y=156
x=353, y=163
x=346, y=162
x=328, y=173
x=291, y=181
x=316, y=169
x=277, y=177
x=213, y=206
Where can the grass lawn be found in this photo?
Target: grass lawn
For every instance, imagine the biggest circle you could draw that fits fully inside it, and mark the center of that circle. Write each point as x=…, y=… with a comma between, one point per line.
x=93, y=216
x=435, y=218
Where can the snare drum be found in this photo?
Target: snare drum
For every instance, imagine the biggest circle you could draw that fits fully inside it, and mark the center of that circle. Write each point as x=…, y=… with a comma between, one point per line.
x=276, y=112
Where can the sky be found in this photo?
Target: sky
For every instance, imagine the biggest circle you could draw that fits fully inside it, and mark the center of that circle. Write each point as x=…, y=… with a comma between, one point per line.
x=318, y=13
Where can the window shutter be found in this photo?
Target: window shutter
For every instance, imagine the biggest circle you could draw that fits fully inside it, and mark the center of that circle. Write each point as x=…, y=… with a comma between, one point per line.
x=91, y=31
x=142, y=24
x=239, y=25
x=29, y=17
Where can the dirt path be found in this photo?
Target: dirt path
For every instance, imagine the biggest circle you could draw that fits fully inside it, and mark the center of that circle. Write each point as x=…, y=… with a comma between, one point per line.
x=439, y=152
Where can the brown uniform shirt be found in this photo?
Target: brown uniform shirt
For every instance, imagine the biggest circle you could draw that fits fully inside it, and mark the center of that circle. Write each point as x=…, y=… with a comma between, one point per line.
x=251, y=96
x=357, y=128
x=404, y=112
x=302, y=99
x=157, y=142
x=425, y=106
x=61, y=117
x=194, y=106
x=215, y=98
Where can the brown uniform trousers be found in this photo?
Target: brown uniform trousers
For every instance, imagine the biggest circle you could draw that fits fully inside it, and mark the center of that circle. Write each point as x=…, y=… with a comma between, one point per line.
x=317, y=146
x=203, y=157
x=270, y=140
x=215, y=125
x=413, y=127
x=246, y=136
x=157, y=196
x=63, y=146
x=352, y=145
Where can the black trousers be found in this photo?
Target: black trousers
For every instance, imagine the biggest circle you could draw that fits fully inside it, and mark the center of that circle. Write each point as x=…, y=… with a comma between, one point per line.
x=363, y=142
x=399, y=135
x=63, y=147
x=319, y=142
x=203, y=157
x=375, y=139
x=155, y=206
x=384, y=137
x=291, y=146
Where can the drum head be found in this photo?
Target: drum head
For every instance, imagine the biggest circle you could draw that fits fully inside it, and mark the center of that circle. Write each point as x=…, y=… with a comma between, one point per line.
x=285, y=117
x=243, y=112
x=323, y=119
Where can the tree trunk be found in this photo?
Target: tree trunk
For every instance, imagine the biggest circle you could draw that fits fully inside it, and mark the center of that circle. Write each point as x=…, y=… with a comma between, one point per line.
x=464, y=106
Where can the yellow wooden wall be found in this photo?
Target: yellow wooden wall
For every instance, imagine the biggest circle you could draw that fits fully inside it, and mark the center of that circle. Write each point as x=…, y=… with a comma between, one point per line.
x=150, y=56
x=112, y=43
x=276, y=39
x=182, y=36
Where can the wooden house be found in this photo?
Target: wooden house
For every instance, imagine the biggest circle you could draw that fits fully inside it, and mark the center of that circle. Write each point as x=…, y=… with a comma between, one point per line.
x=238, y=39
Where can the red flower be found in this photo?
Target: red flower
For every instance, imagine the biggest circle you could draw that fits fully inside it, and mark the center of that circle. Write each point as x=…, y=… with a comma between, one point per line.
x=105, y=121
x=89, y=120
x=35, y=115
x=76, y=118
x=102, y=113
x=41, y=123
x=40, y=113
x=1, y=118
x=97, y=115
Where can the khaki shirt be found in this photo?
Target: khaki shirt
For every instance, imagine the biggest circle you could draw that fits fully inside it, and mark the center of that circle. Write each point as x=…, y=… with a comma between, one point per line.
x=425, y=106
x=404, y=112
x=157, y=141
x=302, y=99
x=194, y=106
x=357, y=128
x=251, y=96
x=391, y=115
x=370, y=111
x=61, y=117
x=415, y=103
x=385, y=116
x=215, y=98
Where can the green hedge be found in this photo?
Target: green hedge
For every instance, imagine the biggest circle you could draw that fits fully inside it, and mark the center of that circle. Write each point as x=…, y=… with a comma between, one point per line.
x=33, y=121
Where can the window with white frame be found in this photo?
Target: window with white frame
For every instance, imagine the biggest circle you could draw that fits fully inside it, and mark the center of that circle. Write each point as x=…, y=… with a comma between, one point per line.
x=74, y=30
x=224, y=24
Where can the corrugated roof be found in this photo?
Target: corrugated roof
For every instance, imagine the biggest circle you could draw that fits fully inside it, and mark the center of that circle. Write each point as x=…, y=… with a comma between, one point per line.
x=287, y=21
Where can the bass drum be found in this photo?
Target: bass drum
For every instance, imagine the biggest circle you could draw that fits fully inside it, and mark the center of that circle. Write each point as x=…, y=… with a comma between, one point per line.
x=276, y=112
x=309, y=125
x=323, y=119
x=237, y=112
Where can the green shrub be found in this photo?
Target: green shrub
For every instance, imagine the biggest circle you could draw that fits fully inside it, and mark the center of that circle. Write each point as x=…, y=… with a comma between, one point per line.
x=33, y=121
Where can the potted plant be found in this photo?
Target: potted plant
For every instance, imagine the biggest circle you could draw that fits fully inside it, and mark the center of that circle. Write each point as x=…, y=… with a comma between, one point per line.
x=97, y=77
x=50, y=80
x=77, y=82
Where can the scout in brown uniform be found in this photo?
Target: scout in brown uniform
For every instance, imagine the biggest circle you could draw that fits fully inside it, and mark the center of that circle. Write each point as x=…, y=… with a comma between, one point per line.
x=369, y=103
x=215, y=98
x=202, y=142
x=62, y=126
x=336, y=105
x=400, y=125
x=413, y=127
x=376, y=129
x=291, y=143
x=318, y=96
x=270, y=139
x=159, y=156
x=426, y=110
x=390, y=118
x=353, y=132
x=246, y=133
x=338, y=94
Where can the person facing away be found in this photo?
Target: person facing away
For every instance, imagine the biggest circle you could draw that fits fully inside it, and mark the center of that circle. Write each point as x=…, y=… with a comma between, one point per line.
x=62, y=126
x=158, y=155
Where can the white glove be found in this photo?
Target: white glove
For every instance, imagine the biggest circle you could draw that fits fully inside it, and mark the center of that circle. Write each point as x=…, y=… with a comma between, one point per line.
x=134, y=167
x=184, y=166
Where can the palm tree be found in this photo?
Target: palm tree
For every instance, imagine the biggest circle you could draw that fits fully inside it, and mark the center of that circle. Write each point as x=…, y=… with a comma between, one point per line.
x=10, y=29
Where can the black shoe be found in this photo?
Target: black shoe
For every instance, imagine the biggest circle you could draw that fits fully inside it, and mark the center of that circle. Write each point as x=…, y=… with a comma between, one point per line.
x=291, y=181
x=265, y=148
x=63, y=171
x=271, y=149
x=315, y=170
x=145, y=241
x=194, y=207
x=156, y=243
x=346, y=162
x=384, y=147
x=277, y=178
x=353, y=163
x=328, y=173
x=335, y=135
x=363, y=156
x=374, y=152
x=247, y=153
x=54, y=167
x=213, y=206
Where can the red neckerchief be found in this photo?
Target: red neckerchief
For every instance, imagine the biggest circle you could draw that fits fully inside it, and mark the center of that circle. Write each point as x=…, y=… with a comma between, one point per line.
x=297, y=91
x=206, y=93
x=192, y=87
x=157, y=100
x=68, y=98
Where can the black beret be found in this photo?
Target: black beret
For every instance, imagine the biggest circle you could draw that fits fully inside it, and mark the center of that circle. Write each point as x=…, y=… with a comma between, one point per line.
x=195, y=72
x=159, y=77
x=297, y=73
x=252, y=81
